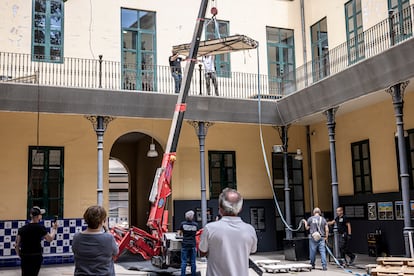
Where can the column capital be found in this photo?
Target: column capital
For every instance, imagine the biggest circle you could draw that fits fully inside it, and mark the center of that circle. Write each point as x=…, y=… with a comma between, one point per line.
x=397, y=91
x=283, y=135
x=196, y=125
x=331, y=112
x=94, y=120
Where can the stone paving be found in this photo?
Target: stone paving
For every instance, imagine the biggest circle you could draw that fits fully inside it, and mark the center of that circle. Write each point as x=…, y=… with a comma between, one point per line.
x=333, y=269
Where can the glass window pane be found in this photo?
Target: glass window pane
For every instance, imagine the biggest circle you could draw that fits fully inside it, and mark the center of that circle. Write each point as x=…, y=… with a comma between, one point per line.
x=54, y=157
x=349, y=9
x=298, y=191
x=272, y=35
x=357, y=168
x=38, y=158
x=40, y=6
x=130, y=60
x=56, y=8
x=299, y=208
x=366, y=166
x=147, y=20
x=130, y=79
x=351, y=25
x=147, y=61
x=358, y=185
x=228, y=160
x=129, y=18
x=365, y=150
x=223, y=29
x=55, y=53
x=55, y=38
x=355, y=150
x=129, y=39
x=230, y=174
x=39, y=52
x=147, y=42
x=40, y=20
x=359, y=20
x=55, y=22
x=40, y=36
x=147, y=81
x=215, y=174
x=297, y=177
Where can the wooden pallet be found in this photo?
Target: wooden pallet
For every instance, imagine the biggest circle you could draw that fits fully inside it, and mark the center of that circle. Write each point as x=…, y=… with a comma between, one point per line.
x=276, y=268
x=287, y=268
x=395, y=261
x=267, y=262
x=394, y=266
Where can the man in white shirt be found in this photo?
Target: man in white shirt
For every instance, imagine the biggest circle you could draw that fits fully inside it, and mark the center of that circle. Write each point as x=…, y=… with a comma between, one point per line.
x=210, y=73
x=229, y=241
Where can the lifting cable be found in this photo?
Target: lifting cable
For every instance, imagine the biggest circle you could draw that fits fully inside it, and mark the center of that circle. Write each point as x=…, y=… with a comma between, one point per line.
x=264, y=151
x=213, y=20
x=270, y=178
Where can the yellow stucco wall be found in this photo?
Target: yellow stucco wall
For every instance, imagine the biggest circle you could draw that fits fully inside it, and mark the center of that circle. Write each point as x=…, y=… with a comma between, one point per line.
x=76, y=135
x=376, y=123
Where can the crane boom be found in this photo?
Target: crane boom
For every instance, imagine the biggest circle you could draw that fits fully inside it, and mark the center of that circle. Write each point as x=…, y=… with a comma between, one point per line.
x=161, y=189
x=158, y=245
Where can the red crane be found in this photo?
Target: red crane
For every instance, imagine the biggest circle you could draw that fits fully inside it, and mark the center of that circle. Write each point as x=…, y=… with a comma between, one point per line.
x=161, y=247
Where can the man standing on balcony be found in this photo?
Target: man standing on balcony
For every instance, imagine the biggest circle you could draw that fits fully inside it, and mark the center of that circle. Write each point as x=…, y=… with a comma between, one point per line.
x=210, y=73
x=176, y=72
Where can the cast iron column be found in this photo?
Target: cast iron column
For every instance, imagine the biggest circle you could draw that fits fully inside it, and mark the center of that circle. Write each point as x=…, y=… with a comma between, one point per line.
x=201, y=131
x=397, y=93
x=283, y=133
x=330, y=116
x=99, y=125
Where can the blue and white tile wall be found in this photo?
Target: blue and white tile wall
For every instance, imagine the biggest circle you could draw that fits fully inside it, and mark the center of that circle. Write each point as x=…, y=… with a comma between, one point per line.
x=59, y=251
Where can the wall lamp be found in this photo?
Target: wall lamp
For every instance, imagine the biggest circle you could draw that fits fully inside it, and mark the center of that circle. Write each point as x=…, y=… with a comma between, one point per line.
x=298, y=155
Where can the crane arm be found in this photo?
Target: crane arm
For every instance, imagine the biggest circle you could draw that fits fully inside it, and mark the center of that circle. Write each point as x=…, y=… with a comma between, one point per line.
x=161, y=189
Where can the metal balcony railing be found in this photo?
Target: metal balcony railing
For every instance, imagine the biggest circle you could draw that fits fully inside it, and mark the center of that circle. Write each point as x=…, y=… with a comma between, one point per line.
x=112, y=75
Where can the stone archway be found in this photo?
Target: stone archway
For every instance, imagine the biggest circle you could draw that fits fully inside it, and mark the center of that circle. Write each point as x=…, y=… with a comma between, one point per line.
x=131, y=149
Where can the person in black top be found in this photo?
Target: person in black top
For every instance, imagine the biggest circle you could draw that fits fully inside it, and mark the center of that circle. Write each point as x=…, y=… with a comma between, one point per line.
x=175, y=66
x=345, y=233
x=188, y=230
x=28, y=246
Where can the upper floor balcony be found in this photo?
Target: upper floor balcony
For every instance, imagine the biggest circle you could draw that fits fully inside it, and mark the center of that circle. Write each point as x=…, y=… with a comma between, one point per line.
x=118, y=76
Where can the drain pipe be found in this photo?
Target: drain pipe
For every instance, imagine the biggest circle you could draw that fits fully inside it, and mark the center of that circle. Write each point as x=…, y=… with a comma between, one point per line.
x=309, y=156
x=305, y=59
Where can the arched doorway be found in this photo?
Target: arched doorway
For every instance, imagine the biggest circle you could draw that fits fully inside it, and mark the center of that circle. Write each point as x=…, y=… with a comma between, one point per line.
x=118, y=212
x=131, y=150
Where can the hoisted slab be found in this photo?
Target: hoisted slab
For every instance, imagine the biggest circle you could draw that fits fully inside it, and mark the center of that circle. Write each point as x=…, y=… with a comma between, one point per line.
x=220, y=45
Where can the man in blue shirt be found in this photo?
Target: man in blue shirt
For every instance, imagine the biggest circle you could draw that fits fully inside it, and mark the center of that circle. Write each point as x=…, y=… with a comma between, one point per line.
x=176, y=72
x=188, y=230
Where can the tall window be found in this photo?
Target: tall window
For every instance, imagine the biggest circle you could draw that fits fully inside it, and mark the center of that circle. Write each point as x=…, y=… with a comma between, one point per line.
x=354, y=31
x=295, y=179
x=45, y=183
x=280, y=60
x=400, y=20
x=320, y=50
x=47, y=30
x=222, y=171
x=361, y=167
x=138, y=50
x=215, y=29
